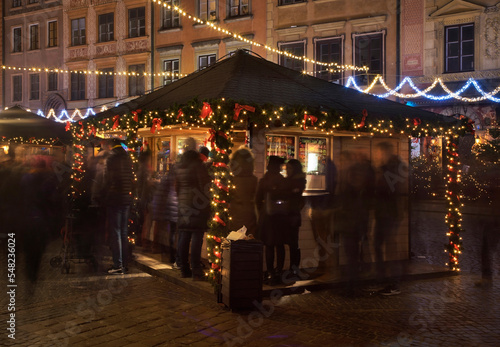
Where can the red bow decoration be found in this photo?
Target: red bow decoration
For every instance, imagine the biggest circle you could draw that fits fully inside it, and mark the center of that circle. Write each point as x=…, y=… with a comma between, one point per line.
x=206, y=110
x=68, y=126
x=311, y=118
x=219, y=164
x=156, y=125
x=238, y=108
x=136, y=117
x=416, y=121
x=92, y=130
x=217, y=239
x=221, y=186
x=220, y=201
x=218, y=220
x=180, y=114
x=103, y=121
x=116, y=120
x=470, y=126
x=215, y=266
x=365, y=114
x=211, y=138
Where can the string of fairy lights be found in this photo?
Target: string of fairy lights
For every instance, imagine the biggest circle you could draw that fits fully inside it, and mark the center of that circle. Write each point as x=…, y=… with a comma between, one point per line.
x=425, y=92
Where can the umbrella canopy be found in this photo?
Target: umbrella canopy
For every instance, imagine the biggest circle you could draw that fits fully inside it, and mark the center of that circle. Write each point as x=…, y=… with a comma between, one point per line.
x=16, y=122
x=244, y=77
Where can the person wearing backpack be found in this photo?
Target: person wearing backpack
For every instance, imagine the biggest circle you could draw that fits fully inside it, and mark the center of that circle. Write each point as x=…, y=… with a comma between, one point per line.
x=272, y=202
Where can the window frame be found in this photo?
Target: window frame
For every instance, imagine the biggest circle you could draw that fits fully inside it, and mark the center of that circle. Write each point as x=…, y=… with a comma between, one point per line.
x=136, y=83
x=209, y=57
x=460, y=43
x=52, y=37
x=34, y=86
x=82, y=39
x=17, y=3
x=358, y=75
x=51, y=81
x=238, y=8
x=171, y=78
x=108, y=79
x=78, y=79
x=291, y=2
x=284, y=60
x=19, y=37
x=170, y=19
x=204, y=11
x=135, y=29
x=34, y=43
x=19, y=90
x=108, y=25
x=318, y=69
x=31, y=2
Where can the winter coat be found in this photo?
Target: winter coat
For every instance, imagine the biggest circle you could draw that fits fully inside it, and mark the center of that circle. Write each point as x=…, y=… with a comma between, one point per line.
x=118, y=178
x=272, y=229
x=192, y=184
x=296, y=186
x=165, y=202
x=242, y=206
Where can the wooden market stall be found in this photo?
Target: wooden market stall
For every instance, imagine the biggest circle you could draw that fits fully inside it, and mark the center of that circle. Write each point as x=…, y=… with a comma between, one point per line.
x=245, y=99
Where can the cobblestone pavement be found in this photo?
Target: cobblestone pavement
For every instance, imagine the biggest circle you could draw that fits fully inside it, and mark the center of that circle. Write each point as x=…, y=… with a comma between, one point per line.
x=83, y=308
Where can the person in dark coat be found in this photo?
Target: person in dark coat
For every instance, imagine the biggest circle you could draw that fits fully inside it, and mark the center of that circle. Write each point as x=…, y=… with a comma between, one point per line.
x=192, y=183
x=296, y=184
x=119, y=185
x=242, y=206
x=165, y=215
x=272, y=223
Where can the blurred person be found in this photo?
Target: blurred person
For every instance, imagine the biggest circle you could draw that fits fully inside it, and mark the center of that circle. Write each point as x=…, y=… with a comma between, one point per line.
x=296, y=184
x=119, y=185
x=165, y=215
x=391, y=176
x=242, y=207
x=145, y=187
x=272, y=205
x=192, y=183
x=352, y=217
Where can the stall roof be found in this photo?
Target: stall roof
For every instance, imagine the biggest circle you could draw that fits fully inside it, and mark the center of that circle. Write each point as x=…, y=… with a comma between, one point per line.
x=17, y=122
x=245, y=77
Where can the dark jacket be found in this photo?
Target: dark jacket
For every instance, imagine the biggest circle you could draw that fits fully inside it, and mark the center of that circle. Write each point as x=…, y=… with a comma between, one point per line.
x=242, y=206
x=295, y=186
x=192, y=184
x=165, y=204
x=118, y=178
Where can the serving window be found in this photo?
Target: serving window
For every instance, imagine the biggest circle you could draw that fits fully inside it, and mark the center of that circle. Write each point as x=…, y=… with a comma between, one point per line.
x=312, y=152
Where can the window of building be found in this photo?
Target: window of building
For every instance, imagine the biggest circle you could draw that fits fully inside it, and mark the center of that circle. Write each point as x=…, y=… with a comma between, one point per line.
x=106, y=27
x=106, y=83
x=170, y=18
x=32, y=1
x=52, y=27
x=239, y=8
x=288, y=2
x=281, y=146
x=17, y=44
x=329, y=51
x=52, y=81
x=136, y=83
x=78, y=32
x=35, y=87
x=206, y=60
x=137, y=22
x=459, y=49
x=369, y=51
x=16, y=3
x=34, y=37
x=171, y=68
x=297, y=49
x=208, y=9
x=17, y=88
x=77, y=86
